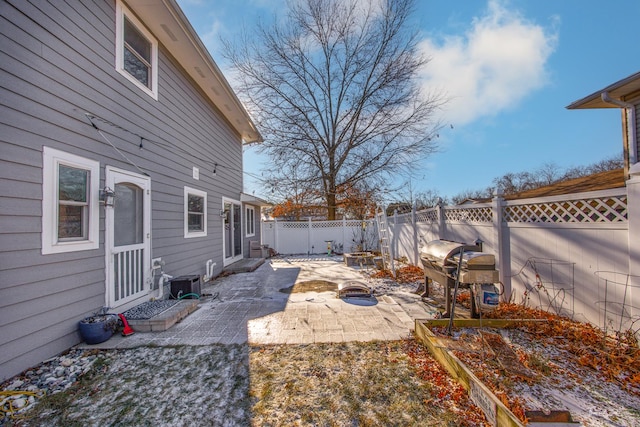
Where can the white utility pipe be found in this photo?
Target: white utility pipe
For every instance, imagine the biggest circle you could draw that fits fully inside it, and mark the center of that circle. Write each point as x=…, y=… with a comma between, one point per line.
x=209, y=269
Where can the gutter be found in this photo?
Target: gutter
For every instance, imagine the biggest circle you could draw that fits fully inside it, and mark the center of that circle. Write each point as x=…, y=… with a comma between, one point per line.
x=633, y=143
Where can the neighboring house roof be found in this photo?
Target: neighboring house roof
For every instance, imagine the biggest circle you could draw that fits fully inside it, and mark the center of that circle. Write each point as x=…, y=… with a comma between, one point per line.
x=253, y=200
x=624, y=89
x=169, y=24
x=598, y=181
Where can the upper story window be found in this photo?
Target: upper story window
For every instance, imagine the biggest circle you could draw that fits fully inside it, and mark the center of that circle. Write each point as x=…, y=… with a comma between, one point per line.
x=69, y=202
x=195, y=213
x=136, y=51
x=250, y=219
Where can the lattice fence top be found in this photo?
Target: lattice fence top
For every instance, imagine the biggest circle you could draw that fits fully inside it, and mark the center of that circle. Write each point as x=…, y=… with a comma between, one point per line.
x=403, y=219
x=293, y=225
x=605, y=209
x=473, y=215
x=430, y=215
x=358, y=223
x=326, y=224
x=322, y=224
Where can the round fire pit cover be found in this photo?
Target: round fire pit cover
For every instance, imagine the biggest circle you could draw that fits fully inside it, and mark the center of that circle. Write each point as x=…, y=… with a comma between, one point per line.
x=354, y=288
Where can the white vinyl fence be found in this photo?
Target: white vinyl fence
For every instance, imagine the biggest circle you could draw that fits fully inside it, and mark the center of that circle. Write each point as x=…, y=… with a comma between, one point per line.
x=313, y=237
x=577, y=255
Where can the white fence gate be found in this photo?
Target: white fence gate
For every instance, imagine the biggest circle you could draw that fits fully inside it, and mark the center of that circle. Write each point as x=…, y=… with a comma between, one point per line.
x=313, y=237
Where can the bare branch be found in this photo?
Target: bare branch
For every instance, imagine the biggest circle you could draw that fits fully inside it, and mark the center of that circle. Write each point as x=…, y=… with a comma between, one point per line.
x=335, y=90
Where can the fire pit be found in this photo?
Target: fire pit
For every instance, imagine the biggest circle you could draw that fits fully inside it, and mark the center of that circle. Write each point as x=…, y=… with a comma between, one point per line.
x=355, y=259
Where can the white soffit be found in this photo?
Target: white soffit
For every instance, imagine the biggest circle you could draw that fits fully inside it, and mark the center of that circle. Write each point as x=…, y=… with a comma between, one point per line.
x=251, y=199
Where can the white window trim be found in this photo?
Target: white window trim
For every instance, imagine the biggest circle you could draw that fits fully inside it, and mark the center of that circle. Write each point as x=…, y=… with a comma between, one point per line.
x=51, y=159
x=250, y=232
x=191, y=234
x=121, y=12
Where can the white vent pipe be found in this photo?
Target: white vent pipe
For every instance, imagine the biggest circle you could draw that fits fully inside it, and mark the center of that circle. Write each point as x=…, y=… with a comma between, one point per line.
x=209, y=271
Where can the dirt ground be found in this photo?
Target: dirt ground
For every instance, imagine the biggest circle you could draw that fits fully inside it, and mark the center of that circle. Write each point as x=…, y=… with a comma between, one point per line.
x=554, y=365
x=364, y=384
x=376, y=383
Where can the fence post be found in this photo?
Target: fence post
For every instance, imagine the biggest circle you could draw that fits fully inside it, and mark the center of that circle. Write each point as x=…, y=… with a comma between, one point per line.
x=414, y=223
x=309, y=237
x=441, y=219
x=633, y=220
x=501, y=244
x=394, y=239
x=275, y=235
x=344, y=234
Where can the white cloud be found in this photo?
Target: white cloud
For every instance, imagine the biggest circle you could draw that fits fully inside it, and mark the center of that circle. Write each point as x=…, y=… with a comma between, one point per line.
x=492, y=67
x=211, y=35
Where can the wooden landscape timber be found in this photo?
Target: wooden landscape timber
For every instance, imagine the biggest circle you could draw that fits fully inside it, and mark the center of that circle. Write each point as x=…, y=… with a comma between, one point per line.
x=495, y=411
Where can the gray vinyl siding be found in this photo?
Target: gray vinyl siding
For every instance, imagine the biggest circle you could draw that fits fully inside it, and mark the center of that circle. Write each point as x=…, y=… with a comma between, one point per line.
x=256, y=226
x=637, y=125
x=56, y=63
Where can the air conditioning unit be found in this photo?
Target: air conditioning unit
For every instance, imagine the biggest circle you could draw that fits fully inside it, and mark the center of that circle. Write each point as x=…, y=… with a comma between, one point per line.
x=187, y=286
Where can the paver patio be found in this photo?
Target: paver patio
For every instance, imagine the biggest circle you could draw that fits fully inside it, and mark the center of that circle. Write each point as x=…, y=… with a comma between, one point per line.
x=252, y=307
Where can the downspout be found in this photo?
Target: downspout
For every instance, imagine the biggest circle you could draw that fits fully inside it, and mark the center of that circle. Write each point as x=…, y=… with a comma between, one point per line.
x=631, y=123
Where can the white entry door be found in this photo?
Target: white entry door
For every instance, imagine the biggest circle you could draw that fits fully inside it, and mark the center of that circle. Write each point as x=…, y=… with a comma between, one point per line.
x=128, y=237
x=232, y=232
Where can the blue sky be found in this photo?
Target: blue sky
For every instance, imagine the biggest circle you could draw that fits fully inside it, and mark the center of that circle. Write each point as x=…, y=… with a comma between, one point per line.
x=509, y=69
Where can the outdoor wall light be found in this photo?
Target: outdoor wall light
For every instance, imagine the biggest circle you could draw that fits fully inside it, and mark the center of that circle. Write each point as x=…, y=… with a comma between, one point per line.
x=108, y=196
x=223, y=213
x=215, y=166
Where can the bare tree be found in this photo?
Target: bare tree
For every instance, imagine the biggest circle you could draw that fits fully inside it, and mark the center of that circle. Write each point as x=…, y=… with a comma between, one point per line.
x=470, y=195
x=429, y=198
x=297, y=200
x=548, y=174
x=334, y=89
x=424, y=199
x=610, y=163
x=511, y=183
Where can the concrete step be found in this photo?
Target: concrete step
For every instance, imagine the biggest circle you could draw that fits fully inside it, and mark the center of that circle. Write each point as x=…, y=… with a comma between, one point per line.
x=244, y=265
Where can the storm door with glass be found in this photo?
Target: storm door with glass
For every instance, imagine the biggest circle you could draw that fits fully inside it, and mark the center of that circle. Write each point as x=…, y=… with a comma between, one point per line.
x=232, y=223
x=127, y=232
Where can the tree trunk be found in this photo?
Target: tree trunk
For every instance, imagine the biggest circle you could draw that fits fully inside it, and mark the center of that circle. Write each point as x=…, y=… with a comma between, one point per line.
x=331, y=206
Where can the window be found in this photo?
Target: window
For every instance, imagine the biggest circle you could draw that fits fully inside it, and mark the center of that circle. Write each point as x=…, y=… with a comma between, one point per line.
x=195, y=213
x=136, y=52
x=69, y=202
x=250, y=218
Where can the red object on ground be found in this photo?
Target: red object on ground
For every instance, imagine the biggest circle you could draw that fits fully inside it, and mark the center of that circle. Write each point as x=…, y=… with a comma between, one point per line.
x=128, y=330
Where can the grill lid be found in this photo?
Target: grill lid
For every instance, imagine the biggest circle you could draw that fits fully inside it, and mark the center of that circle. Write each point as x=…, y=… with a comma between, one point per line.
x=439, y=251
x=474, y=260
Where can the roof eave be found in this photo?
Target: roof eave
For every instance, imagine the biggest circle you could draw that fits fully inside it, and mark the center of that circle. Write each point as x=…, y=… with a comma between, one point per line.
x=253, y=200
x=619, y=90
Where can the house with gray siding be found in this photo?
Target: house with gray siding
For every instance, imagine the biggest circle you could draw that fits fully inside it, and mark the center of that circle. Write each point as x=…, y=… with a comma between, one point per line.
x=121, y=156
x=252, y=221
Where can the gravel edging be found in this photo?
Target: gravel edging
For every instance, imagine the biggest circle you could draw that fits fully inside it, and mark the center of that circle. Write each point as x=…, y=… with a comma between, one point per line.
x=149, y=309
x=50, y=377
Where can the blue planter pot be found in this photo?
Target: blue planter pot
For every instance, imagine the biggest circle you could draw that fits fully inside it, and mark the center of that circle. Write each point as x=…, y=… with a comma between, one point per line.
x=97, y=329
